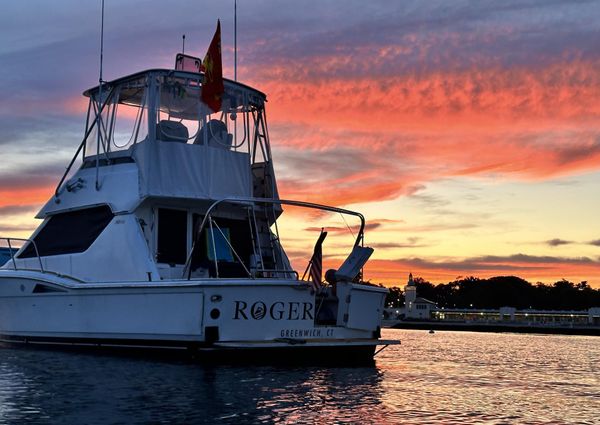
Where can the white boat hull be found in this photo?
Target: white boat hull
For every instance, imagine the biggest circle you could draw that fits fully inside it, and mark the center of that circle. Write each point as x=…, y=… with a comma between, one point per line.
x=204, y=316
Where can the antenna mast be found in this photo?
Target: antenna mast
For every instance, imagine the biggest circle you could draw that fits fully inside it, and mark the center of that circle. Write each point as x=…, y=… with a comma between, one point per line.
x=99, y=117
x=235, y=40
x=101, y=47
x=183, y=49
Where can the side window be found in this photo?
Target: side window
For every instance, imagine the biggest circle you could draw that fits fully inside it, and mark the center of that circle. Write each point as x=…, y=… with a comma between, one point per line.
x=172, y=236
x=70, y=232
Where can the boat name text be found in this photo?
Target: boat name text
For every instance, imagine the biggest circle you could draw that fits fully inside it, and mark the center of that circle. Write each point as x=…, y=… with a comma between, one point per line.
x=279, y=310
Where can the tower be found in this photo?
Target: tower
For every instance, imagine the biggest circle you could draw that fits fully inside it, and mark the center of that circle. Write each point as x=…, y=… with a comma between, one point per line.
x=410, y=294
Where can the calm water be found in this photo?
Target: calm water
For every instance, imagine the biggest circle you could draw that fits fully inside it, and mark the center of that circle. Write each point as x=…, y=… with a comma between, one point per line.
x=444, y=378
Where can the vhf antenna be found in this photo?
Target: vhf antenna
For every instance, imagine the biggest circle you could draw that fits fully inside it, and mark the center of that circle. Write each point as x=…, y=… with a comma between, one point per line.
x=101, y=45
x=235, y=40
x=100, y=81
x=183, y=42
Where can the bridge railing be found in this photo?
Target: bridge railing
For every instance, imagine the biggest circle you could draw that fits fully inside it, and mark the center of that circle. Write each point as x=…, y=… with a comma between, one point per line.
x=10, y=242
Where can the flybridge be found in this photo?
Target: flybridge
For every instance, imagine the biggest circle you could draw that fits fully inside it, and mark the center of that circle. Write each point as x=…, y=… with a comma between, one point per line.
x=132, y=107
x=157, y=119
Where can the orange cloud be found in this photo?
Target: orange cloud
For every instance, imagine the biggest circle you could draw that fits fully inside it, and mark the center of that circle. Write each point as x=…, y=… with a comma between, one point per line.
x=34, y=195
x=518, y=123
x=532, y=268
x=473, y=98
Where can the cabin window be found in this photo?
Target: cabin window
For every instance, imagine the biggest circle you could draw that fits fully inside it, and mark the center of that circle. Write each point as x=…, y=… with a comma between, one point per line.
x=221, y=245
x=172, y=236
x=69, y=232
x=236, y=235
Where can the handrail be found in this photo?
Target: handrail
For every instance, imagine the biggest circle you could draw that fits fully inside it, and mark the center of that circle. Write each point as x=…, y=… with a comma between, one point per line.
x=87, y=133
x=359, y=236
x=12, y=254
x=282, y=271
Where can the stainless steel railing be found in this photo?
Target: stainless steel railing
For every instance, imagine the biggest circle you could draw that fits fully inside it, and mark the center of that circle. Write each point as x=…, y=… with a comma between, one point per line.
x=13, y=250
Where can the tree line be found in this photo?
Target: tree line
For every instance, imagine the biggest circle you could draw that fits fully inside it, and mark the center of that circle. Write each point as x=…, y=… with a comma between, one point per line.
x=502, y=291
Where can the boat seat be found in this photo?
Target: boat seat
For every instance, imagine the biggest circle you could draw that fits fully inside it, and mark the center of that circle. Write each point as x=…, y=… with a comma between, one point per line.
x=171, y=131
x=216, y=134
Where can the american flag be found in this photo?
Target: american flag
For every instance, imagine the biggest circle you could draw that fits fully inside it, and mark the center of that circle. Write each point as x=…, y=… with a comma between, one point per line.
x=316, y=262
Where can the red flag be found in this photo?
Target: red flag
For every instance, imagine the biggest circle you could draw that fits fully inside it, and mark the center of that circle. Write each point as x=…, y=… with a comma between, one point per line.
x=212, y=83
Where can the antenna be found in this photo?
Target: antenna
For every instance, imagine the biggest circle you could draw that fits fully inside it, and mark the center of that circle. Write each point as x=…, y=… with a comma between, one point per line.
x=235, y=40
x=99, y=117
x=101, y=47
x=183, y=49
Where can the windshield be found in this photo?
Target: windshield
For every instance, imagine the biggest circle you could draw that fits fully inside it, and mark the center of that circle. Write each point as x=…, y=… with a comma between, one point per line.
x=166, y=106
x=124, y=118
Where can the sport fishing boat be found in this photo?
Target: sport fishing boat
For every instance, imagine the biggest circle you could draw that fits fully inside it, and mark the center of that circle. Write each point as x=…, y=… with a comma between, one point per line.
x=166, y=237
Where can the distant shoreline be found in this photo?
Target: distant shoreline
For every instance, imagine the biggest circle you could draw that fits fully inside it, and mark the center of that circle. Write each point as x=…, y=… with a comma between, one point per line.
x=493, y=327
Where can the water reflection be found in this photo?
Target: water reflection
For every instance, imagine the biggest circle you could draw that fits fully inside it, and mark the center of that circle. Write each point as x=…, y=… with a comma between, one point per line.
x=44, y=386
x=443, y=378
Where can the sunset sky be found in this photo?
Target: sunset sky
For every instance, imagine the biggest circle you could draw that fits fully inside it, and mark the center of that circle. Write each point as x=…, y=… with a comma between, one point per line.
x=468, y=133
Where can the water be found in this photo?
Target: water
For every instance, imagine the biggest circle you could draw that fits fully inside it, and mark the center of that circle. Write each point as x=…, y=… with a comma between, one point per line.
x=441, y=378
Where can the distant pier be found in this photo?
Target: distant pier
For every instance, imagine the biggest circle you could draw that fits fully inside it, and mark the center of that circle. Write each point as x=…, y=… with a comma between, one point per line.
x=494, y=327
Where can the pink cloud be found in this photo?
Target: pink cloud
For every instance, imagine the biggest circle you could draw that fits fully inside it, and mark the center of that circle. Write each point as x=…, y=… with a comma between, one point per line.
x=517, y=123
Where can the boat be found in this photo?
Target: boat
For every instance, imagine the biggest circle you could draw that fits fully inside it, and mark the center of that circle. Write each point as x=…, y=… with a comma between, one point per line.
x=162, y=234
x=5, y=254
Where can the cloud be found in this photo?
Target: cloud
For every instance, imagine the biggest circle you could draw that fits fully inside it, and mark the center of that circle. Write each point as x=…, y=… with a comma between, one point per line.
x=46, y=175
x=512, y=124
x=410, y=39
x=8, y=210
x=535, y=268
x=10, y=228
x=533, y=259
x=440, y=227
x=36, y=195
x=557, y=242
x=336, y=229
x=410, y=243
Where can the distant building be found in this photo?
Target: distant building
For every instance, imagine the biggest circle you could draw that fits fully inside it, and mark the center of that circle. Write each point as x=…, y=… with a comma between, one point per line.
x=416, y=307
x=510, y=315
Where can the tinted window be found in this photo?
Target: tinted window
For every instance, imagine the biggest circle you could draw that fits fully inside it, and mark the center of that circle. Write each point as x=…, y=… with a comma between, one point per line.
x=237, y=232
x=70, y=232
x=172, y=236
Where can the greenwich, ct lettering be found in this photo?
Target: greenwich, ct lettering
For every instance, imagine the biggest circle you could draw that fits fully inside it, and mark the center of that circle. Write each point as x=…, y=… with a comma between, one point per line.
x=306, y=333
x=279, y=310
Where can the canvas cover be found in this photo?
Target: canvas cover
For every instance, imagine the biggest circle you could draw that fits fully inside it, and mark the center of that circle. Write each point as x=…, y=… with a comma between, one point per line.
x=191, y=171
